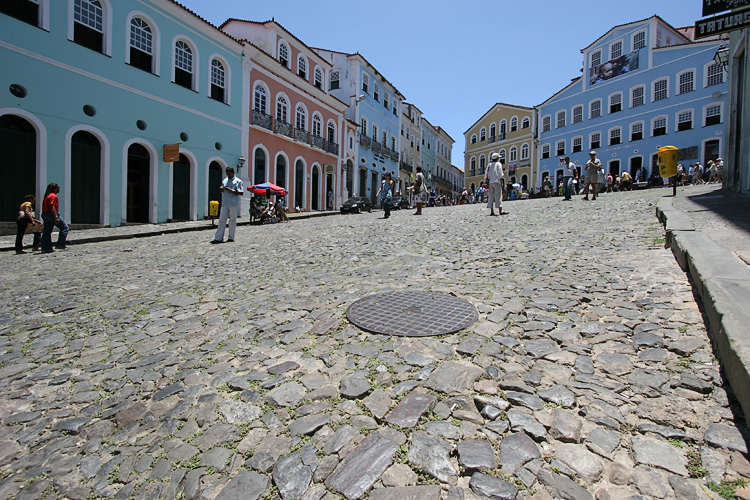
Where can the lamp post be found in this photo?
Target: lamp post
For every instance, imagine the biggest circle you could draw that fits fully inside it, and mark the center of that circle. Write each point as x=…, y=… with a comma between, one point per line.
x=240, y=163
x=721, y=58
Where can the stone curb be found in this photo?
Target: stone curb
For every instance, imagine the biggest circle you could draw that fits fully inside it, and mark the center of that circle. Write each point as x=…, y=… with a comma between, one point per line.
x=723, y=283
x=165, y=228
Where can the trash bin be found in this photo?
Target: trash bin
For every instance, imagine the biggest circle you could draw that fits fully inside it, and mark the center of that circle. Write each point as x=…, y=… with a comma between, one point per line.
x=668, y=161
x=213, y=208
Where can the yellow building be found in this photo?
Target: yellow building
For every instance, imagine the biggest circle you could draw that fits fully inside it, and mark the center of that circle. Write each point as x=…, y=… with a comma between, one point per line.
x=506, y=129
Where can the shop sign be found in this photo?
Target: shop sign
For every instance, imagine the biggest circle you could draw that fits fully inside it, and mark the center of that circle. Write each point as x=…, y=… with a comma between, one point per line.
x=724, y=23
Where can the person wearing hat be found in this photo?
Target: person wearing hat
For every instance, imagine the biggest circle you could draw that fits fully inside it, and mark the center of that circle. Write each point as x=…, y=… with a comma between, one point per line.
x=569, y=169
x=495, y=178
x=592, y=174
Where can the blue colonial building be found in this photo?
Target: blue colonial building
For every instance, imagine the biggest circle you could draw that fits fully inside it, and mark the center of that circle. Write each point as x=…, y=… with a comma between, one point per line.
x=93, y=91
x=644, y=85
x=375, y=105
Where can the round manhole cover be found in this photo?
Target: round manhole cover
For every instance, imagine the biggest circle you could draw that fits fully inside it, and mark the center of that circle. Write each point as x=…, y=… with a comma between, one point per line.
x=412, y=314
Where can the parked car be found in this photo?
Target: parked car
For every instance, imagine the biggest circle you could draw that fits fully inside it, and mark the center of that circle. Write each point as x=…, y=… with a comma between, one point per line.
x=356, y=204
x=399, y=202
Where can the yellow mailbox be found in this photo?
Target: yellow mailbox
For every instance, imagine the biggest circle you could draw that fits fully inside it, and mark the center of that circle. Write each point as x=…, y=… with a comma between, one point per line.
x=213, y=208
x=668, y=161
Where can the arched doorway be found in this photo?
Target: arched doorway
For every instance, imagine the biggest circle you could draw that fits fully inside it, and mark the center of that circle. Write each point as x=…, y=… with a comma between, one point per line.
x=85, y=178
x=614, y=168
x=315, y=201
x=349, y=178
x=17, y=165
x=215, y=177
x=139, y=184
x=299, y=184
x=329, y=192
x=373, y=187
x=525, y=182
x=259, y=169
x=362, y=182
x=281, y=171
x=181, y=189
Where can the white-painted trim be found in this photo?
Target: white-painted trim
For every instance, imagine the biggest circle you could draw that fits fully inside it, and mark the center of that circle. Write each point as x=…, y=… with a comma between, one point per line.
x=104, y=171
x=40, y=149
x=196, y=59
x=153, y=178
x=155, y=39
x=227, y=77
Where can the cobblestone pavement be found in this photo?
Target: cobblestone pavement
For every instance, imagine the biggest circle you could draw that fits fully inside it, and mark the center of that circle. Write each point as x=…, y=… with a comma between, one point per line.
x=166, y=367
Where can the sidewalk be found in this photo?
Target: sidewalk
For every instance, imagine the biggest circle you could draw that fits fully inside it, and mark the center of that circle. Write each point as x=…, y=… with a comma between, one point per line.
x=93, y=235
x=708, y=230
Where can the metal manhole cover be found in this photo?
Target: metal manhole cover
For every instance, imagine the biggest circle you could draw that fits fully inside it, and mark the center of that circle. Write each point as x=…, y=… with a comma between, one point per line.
x=412, y=314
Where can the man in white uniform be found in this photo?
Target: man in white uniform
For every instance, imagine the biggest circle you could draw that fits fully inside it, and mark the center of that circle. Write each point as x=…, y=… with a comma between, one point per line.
x=495, y=178
x=231, y=190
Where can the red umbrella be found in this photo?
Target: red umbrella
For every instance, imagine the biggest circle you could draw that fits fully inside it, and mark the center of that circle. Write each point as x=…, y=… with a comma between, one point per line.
x=268, y=189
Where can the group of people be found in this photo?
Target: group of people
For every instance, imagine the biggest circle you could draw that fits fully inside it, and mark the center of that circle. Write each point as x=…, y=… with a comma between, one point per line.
x=42, y=229
x=696, y=173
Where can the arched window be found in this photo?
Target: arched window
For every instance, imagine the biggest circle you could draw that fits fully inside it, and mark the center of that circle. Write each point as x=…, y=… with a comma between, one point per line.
x=301, y=118
x=141, y=45
x=502, y=155
x=492, y=132
x=302, y=66
x=482, y=134
x=88, y=25
x=318, y=78
x=218, y=89
x=365, y=82
x=259, y=167
x=317, y=125
x=183, y=65
x=513, y=153
x=281, y=171
x=513, y=124
x=260, y=101
x=473, y=166
x=474, y=138
x=282, y=110
x=525, y=152
x=525, y=123
x=503, y=127
x=482, y=164
x=284, y=54
x=331, y=133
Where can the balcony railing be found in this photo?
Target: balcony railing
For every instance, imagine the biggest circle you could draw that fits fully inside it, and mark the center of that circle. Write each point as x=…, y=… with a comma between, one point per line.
x=501, y=136
x=301, y=135
x=376, y=147
x=365, y=141
x=318, y=142
x=405, y=167
x=332, y=147
x=262, y=120
x=394, y=155
x=284, y=128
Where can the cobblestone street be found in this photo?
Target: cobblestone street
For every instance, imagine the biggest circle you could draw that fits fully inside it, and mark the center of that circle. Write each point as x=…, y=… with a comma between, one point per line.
x=166, y=367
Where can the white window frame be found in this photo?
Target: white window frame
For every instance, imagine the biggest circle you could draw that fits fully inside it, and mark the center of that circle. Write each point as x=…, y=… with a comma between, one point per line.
x=632, y=95
x=483, y=134
x=707, y=76
x=557, y=147
x=564, y=118
x=547, y=147
x=704, y=113
x=513, y=154
x=591, y=58
x=513, y=124
x=591, y=104
x=610, y=132
x=610, y=98
x=678, y=82
x=546, y=123
x=653, y=124
x=653, y=88
x=286, y=107
x=106, y=24
x=317, y=123
x=303, y=58
x=633, y=40
x=677, y=121
x=573, y=144
x=525, y=151
x=643, y=130
x=265, y=100
x=227, y=75
x=577, y=117
x=283, y=43
x=617, y=44
x=195, y=59
x=473, y=139
x=525, y=123
x=319, y=71
x=155, y=41
x=591, y=139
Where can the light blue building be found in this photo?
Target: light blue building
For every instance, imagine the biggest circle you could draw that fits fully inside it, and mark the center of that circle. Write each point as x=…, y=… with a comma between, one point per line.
x=374, y=104
x=429, y=157
x=645, y=85
x=93, y=91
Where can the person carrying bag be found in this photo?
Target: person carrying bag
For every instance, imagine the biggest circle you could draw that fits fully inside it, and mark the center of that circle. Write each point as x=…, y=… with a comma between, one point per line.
x=28, y=223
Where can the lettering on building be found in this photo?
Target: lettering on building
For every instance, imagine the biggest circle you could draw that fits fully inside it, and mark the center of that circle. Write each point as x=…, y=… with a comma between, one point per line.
x=724, y=23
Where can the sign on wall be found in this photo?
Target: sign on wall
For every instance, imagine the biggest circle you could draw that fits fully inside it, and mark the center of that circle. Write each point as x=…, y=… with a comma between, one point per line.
x=613, y=68
x=724, y=23
x=171, y=152
x=716, y=6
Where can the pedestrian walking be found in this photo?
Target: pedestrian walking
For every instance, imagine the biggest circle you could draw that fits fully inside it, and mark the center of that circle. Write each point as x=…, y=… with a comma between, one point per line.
x=495, y=178
x=569, y=169
x=51, y=219
x=418, y=189
x=231, y=190
x=625, y=180
x=385, y=193
x=592, y=175
x=27, y=216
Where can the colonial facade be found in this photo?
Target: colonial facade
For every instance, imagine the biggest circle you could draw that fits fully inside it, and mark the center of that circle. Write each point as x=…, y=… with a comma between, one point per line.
x=411, y=144
x=737, y=148
x=445, y=181
x=136, y=76
x=374, y=104
x=428, y=156
x=505, y=129
x=296, y=127
x=645, y=85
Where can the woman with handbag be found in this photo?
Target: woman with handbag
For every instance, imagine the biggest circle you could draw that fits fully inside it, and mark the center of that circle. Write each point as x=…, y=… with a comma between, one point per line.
x=25, y=217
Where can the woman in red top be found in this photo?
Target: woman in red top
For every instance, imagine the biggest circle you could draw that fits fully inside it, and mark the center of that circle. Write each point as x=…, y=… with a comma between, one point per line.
x=51, y=218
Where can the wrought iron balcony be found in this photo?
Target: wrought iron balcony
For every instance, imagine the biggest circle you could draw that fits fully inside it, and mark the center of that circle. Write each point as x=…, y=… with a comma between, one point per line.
x=405, y=167
x=365, y=141
x=491, y=139
x=501, y=136
x=262, y=120
x=284, y=128
x=332, y=147
x=318, y=142
x=394, y=155
x=376, y=147
x=301, y=135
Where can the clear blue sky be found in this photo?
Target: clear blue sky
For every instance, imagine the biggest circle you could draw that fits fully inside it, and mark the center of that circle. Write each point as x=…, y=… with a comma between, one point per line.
x=454, y=59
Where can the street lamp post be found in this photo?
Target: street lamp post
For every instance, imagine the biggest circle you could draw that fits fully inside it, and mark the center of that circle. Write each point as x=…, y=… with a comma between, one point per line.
x=721, y=58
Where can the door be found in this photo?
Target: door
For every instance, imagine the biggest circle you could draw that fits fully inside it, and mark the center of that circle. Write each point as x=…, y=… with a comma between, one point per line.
x=215, y=177
x=299, y=184
x=315, y=188
x=635, y=163
x=85, y=178
x=181, y=189
x=373, y=187
x=614, y=168
x=17, y=165
x=139, y=181
x=710, y=151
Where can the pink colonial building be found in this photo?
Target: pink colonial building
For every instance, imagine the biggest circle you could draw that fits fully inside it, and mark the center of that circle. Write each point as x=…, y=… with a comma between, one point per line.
x=296, y=126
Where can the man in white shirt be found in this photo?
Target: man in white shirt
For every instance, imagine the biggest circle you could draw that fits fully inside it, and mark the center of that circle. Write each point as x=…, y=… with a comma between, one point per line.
x=231, y=190
x=495, y=178
x=568, y=174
